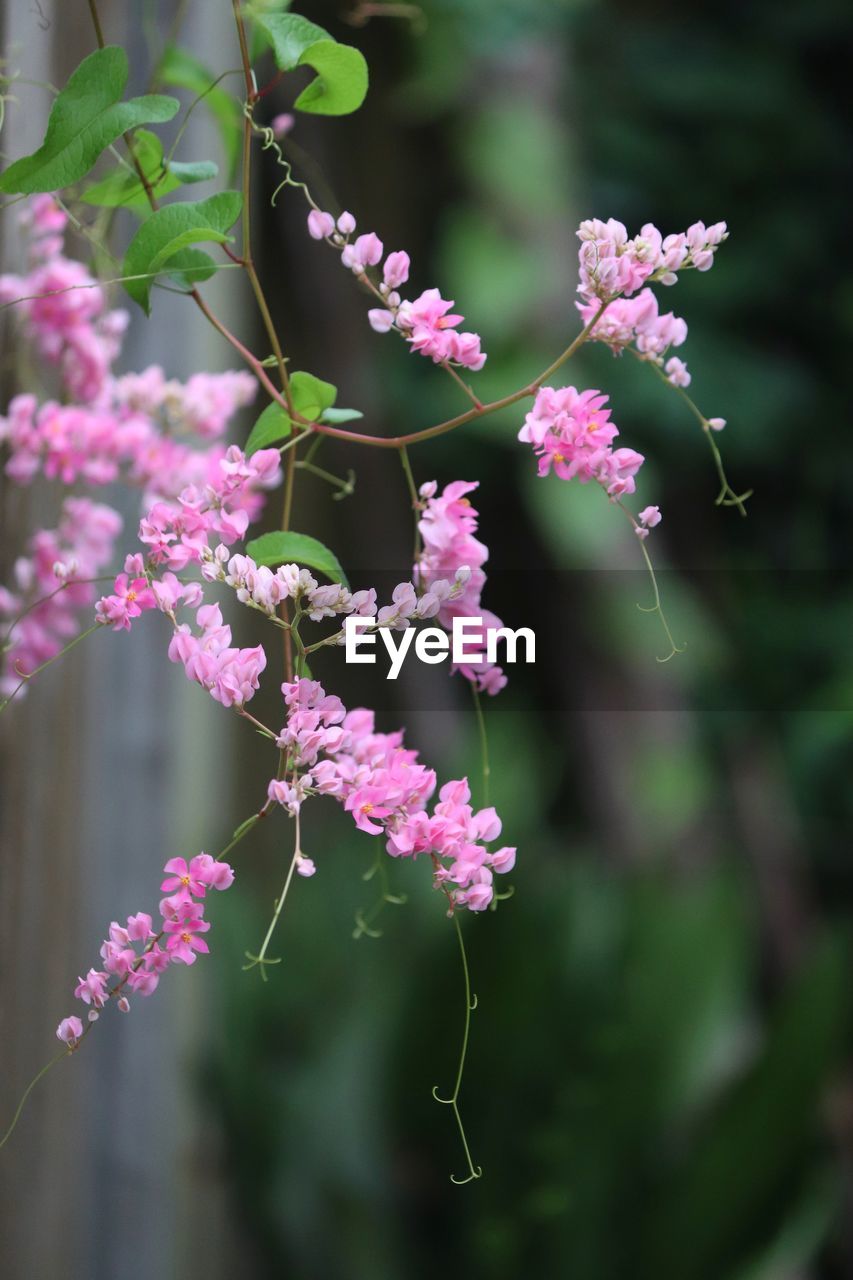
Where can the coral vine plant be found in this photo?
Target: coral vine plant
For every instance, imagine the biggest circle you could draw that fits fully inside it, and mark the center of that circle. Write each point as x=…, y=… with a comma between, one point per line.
x=200, y=496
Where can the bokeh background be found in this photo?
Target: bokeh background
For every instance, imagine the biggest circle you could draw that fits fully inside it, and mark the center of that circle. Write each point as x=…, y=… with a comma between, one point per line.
x=658, y=1084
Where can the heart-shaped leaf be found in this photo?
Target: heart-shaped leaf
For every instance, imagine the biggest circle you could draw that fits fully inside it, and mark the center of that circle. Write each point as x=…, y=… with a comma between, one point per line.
x=311, y=396
x=273, y=425
x=169, y=232
x=278, y=548
x=86, y=117
x=290, y=35
x=341, y=82
x=122, y=187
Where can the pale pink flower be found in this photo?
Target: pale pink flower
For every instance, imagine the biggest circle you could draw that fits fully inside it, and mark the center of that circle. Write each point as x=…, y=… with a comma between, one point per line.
x=69, y=1031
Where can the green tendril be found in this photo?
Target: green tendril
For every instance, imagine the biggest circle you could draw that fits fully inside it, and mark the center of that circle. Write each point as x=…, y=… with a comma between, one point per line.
x=261, y=960
x=474, y=1171
x=25, y=679
x=484, y=742
x=38, y=1076
x=364, y=919
x=656, y=607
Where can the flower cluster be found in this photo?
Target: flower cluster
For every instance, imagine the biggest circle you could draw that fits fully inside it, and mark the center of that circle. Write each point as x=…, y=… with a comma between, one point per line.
x=571, y=431
x=52, y=583
x=178, y=533
x=156, y=434
x=637, y=322
x=62, y=308
x=266, y=589
x=131, y=954
x=386, y=789
x=447, y=527
x=141, y=430
x=610, y=263
x=427, y=322
x=230, y=675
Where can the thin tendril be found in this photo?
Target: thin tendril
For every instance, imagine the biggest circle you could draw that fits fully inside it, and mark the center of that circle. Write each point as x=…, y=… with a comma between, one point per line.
x=345, y=487
x=656, y=607
x=484, y=741
x=34, y=604
x=38, y=1076
x=25, y=679
x=261, y=958
x=413, y=494
x=727, y=496
x=364, y=919
x=474, y=1171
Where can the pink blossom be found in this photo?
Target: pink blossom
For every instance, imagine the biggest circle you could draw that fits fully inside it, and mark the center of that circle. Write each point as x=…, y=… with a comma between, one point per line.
x=320, y=225
x=282, y=124
x=395, y=271
x=572, y=433
x=128, y=602
x=612, y=264
x=93, y=988
x=69, y=1030
x=184, y=939
x=139, y=927
x=676, y=371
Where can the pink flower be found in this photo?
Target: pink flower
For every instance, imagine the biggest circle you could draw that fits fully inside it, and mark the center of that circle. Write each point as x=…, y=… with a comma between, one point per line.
x=128, y=602
x=676, y=371
x=320, y=225
x=571, y=431
x=184, y=940
x=69, y=1030
x=282, y=124
x=143, y=982
x=367, y=805
x=381, y=321
x=396, y=269
x=184, y=877
x=212, y=873
x=651, y=516
x=92, y=989
x=139, y=927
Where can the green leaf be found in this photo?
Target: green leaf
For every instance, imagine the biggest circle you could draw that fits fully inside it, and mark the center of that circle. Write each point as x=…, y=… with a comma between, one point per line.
x=190, y=267
x=273, y=425
x=169, y=231
x=183, y=71
x=311, y=396
x=85, y=118
x=193, y=170
x=122, y=187
x=278, y=548
x=290, y=36
x=260, y=42
x=336, y=416
x=341, y=83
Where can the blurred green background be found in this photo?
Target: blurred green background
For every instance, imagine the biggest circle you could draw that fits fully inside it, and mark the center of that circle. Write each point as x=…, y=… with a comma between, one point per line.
x=656, y=1085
